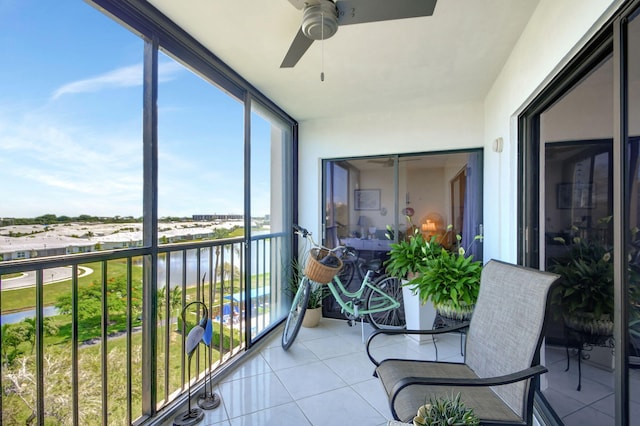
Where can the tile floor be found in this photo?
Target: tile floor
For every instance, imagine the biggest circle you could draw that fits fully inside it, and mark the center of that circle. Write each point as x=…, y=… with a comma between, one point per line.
x=594, y=403
x=325, y=378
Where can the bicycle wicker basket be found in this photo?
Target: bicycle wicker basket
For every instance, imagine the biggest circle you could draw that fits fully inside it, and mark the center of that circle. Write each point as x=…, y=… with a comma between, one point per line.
x=318, y=272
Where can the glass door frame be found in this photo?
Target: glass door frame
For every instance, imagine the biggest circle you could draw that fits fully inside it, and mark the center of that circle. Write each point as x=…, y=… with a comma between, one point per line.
x=610, y=40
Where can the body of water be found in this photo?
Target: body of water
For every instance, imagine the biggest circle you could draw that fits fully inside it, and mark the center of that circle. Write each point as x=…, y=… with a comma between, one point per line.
x=49, y=311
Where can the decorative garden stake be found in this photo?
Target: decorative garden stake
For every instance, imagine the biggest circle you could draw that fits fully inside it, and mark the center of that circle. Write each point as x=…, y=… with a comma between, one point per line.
x=193, y=415
x=208, y=400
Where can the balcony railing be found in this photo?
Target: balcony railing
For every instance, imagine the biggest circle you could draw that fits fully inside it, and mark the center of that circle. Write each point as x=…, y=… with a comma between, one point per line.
x=85, y=352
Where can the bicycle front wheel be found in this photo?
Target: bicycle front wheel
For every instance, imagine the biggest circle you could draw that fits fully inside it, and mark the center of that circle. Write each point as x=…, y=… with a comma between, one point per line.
x=298, y=308
x=384, y=316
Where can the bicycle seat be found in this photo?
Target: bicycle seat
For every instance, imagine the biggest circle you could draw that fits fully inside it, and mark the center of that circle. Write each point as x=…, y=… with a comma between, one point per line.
x=349, y=254
x=374, y=265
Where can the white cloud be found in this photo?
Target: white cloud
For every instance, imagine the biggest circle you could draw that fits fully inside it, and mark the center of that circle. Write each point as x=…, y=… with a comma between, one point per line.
x=121, y=77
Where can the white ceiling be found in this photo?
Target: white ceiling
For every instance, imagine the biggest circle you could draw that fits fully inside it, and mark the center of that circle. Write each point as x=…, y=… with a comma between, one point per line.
x=449, y=58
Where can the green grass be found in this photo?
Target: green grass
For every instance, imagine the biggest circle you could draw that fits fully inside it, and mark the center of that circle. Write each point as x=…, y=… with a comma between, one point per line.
x=14, y=275
x=58, y=385
x=25, y=298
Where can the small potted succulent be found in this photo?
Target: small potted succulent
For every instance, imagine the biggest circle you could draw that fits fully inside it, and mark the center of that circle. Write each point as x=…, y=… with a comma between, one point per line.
x=445, y=411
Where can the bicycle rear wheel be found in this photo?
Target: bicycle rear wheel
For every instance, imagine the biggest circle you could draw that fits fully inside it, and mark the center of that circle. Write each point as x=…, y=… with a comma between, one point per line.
x=389, y=318
x=298, y=308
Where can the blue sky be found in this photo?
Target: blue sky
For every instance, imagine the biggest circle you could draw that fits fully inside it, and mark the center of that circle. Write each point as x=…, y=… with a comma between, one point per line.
x=71, y=122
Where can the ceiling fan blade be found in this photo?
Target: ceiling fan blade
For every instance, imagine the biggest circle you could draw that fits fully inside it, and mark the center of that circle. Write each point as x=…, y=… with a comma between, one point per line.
x=298, y=4
x=360, y=11
x=300, y=45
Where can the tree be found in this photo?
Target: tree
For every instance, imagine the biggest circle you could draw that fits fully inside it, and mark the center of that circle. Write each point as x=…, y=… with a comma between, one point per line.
x=13, y=335
x=90, y=299
x=175, y=299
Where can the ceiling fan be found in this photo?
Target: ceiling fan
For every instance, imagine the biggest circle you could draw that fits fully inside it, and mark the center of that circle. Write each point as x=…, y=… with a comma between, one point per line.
x=321, y=19
x=389, y=162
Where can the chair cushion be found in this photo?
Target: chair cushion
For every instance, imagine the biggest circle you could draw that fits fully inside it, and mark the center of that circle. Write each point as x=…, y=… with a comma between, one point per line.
x=485, y=403
x=504, y=334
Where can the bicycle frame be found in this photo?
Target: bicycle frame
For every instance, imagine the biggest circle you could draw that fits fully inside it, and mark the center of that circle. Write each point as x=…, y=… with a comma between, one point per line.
x=371, y=294
x=386, y=302
x=348, y=306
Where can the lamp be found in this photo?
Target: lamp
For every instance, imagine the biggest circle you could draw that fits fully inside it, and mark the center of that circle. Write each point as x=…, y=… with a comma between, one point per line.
x=362, y=223
x=428, y=228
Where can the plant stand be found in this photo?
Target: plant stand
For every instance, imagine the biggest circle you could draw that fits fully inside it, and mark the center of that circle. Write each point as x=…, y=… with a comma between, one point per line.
x=443, y=322
x=581, y=342
x=418, y=316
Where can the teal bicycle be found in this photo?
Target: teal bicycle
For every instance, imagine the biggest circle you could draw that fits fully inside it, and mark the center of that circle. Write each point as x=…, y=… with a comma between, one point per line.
x=380, y=300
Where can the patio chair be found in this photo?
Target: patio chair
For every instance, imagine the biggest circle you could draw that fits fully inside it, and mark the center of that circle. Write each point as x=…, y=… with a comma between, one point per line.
x=501, y=358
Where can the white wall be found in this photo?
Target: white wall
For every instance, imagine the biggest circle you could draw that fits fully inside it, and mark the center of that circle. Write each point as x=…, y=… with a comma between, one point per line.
x=442, y=128
x=554, y=34
x=556, y=31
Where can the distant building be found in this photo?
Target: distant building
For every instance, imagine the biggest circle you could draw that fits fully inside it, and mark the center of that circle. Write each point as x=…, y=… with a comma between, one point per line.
x=214, y=217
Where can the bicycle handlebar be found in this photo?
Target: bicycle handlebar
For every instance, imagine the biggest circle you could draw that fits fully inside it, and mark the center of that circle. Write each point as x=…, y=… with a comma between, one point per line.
x=304, y=233
x=300, y=230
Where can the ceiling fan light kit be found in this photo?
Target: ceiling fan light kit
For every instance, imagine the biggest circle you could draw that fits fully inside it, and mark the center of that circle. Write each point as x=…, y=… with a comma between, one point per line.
x=320, y=21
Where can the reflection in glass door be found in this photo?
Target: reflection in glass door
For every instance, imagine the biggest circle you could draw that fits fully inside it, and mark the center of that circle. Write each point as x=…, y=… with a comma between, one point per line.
x=631, y=167
x=271, y=217
x=576, y=240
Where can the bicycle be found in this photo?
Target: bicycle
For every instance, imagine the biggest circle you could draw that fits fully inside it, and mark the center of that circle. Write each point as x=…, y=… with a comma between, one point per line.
x=382, y=299
x=355, y=267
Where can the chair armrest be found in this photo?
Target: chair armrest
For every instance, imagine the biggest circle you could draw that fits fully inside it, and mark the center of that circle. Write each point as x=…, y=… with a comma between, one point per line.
x=485, y=381
x=395, y=331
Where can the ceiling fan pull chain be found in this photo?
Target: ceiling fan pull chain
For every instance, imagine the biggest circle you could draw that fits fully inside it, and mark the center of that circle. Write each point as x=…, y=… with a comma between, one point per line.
x=322, y=49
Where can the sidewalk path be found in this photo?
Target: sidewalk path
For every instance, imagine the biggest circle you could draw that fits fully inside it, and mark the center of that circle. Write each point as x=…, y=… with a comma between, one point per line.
x=53, y=275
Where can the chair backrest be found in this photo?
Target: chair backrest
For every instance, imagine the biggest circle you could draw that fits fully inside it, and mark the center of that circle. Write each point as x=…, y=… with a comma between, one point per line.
x=505, y=332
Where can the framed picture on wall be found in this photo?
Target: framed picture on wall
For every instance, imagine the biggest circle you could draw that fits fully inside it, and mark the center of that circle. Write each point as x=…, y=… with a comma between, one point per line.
x=575, y=196
x=366, y=199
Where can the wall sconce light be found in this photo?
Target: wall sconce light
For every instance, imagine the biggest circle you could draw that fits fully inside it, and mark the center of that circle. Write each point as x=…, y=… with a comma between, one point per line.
x=498, y=145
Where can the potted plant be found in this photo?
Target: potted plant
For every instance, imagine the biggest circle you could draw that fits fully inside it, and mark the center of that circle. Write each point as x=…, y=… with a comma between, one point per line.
x=406, y=256
x=451, y=280
x=314, y=306
x=445, y=411
x=313, y=312
x=404, y=262
x=585, y=289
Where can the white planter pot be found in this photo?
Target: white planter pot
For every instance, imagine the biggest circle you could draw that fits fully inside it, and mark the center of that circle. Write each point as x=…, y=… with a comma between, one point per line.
x=419, y=316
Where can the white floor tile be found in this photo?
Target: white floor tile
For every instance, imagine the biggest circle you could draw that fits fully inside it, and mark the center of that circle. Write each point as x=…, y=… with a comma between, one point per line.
x=298, y=354
x=352, y=368
x=309, y=379
x=339, y=407
x=282, y=415
x=251, y=394
x=588, y=416
x=373, y=392
x=333, y=346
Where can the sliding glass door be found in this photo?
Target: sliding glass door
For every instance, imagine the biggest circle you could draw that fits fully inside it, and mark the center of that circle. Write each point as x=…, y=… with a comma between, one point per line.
x=372, y=202
x=580, y=217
